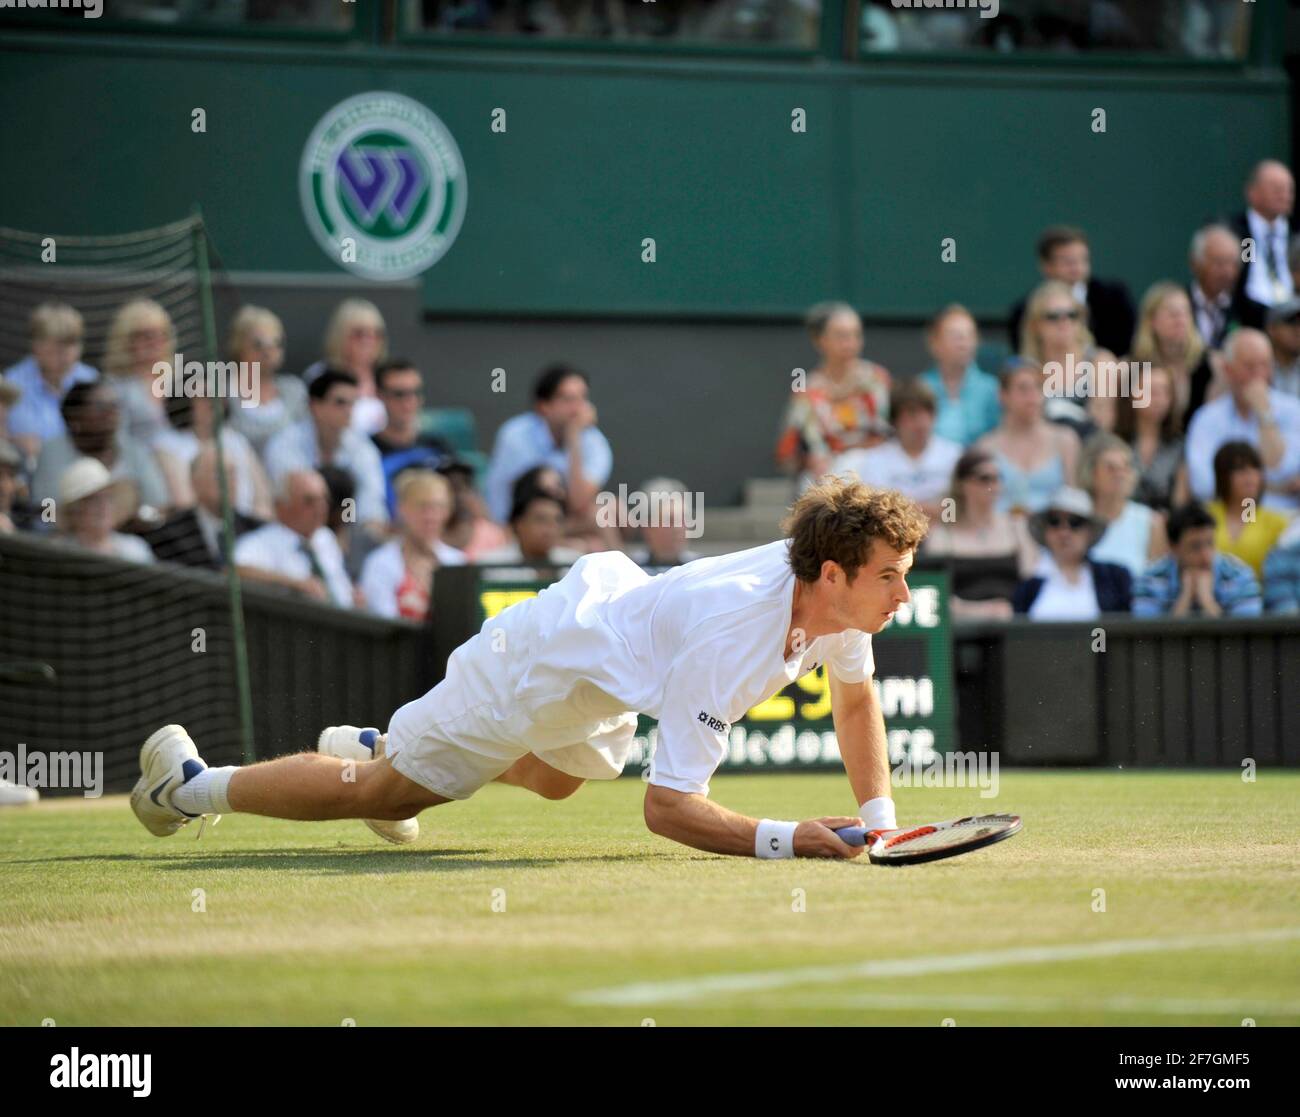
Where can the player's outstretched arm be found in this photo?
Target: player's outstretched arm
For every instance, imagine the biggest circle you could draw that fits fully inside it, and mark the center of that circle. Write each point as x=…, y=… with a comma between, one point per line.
x=700, y=823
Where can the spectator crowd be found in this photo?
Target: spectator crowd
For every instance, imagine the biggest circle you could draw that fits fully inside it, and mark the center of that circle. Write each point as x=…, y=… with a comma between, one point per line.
x=1173, y=490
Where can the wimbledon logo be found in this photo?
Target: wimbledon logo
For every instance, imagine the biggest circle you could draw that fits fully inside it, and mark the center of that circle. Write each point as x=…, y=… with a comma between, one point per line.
x=383, y=186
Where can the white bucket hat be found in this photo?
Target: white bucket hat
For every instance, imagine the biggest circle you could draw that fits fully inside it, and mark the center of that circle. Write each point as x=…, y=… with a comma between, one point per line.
x=88, y=476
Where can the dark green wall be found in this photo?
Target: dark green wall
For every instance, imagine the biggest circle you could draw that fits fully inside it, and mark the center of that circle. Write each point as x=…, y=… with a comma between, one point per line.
x=750, y=218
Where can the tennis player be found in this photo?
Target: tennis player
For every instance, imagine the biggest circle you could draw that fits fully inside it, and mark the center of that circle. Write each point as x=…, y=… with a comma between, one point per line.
x=546, y=695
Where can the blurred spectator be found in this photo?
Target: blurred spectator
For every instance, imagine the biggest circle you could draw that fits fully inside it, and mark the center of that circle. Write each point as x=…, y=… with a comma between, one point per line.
x=356, y=340
x=560, y=432
x=470, y=530
x=191, y=429
x=1134, y=535
x=1282, y=572
x=140, y=338
x=1193, y=578
x=664, y=543
x=93, y=419
x=916, y=462
x=1284, y=333
x=1215, y=259
x=843, y=405
x=1063, y=255
x=193, y=536
x=1152, y=431
x=89, y=505
x=1056, y=338
x=10, y=394
x=257, y=335
x=1068, y=584
x=11, y=485
x=987, y=551
x=43, y=378
x=398, y=577
x=1166, y=336
x=1251, y=412
x=341, y=516
x=1034, y=457
x=966, y=395
x=298, y=552
x=400, y=443
x=1241, y=527
x=1266, y=280
x=328, y=437
x=537, y=521
x=581, y=533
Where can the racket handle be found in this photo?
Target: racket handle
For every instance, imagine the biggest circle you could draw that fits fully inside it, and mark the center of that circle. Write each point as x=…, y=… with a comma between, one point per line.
x=853, y=835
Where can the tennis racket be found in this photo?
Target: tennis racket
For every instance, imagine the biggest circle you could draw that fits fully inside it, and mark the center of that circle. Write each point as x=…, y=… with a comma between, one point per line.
x=934, y=841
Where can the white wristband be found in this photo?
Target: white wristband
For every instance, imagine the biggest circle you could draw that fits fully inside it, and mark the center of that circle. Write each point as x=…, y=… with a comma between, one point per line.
x=774, y=839
x=878, y=814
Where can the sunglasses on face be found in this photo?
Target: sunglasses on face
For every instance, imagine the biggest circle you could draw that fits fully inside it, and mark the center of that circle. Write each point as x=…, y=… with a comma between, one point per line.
x=404, y=393
x=987, y=478
x=1060, y=316
x=1074, y=523
x=267, y=343
x=365, y=331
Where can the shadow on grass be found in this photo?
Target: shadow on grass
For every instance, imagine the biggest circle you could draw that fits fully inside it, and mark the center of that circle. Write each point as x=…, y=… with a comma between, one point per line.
x=337, y=861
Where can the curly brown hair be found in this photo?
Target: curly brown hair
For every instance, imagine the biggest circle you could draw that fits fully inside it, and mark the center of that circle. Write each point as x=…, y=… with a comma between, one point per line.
x=837, y=519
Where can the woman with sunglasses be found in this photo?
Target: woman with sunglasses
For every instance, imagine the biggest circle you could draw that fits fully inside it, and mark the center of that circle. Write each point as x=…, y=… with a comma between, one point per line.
x=356, y=341
x=987, y=552
x=257, y=335
x=1056, y=334
x=1067, y=585
x=140, y=338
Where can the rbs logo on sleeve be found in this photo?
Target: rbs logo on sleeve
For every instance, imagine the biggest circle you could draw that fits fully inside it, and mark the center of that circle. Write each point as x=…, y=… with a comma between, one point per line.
x=712, y=722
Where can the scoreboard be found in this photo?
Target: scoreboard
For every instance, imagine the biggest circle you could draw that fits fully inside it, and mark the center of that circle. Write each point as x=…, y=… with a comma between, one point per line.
x=793, y=728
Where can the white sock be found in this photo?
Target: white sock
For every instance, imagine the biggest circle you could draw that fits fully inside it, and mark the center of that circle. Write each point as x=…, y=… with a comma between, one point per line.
x=205, y=793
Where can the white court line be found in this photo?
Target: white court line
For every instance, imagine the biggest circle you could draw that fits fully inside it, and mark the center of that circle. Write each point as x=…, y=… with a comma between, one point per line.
x=1166, y=1006
x=697, y=988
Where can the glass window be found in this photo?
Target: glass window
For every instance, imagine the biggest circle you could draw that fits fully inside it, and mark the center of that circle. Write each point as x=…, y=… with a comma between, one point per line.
x=1178, y=28
x=787, y=23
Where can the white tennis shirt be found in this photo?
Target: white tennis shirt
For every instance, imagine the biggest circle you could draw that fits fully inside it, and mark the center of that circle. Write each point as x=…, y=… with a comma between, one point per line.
x=695, y=648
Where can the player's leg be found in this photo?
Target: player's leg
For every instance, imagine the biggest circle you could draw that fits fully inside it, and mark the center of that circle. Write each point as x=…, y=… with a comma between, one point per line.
x=176, y=786
x=532, y=772
x=313, y=787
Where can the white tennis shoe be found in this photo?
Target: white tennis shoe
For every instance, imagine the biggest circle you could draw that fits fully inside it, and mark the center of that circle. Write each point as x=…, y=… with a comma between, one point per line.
x=348, y=742
x=167, y=760
x=17, y=794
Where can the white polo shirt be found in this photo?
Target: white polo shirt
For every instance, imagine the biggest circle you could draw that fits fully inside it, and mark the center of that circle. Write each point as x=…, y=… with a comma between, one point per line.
x=694, y=648
x=281, y=550
x=888, y=466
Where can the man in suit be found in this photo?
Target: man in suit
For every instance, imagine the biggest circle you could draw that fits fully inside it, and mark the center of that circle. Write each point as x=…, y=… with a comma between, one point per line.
x=1063, y=254
x=192, y=537
x=1215, y=261
x=1266, y=279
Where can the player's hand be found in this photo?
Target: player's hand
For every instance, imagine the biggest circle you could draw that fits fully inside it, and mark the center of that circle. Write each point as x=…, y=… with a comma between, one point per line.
x=817, y=838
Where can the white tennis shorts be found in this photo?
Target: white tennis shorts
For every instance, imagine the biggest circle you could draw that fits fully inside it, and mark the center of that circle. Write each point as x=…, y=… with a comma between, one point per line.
x=470, y=728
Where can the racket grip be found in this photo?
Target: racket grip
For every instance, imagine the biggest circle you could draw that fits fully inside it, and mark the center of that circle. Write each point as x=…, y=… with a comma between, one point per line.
x=853, y=835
